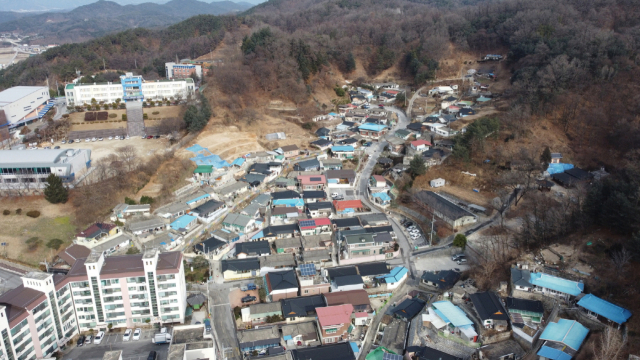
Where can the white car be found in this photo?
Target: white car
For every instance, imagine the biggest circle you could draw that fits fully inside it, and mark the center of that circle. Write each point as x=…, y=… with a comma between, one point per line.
x=335, y=195
x=100, y=139
x=136, y=334
x=99, y=338
x=127, y=137
x=127, y=335
x=87, y=140
x=64, y=141
x=94, y=139
x=110, y=137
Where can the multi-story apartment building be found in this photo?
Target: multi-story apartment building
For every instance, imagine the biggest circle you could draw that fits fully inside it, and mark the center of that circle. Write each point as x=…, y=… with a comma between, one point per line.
x=182, y=70
x=130, y=88
x=36, y=317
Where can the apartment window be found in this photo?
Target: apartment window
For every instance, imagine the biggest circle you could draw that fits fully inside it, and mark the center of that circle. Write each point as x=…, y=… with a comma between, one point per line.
x=306, y=291
x=328, y=340
x=331, y=331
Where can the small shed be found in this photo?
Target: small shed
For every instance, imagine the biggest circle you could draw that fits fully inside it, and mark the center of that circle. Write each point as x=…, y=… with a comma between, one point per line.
x=196, y=301
x=435, y=183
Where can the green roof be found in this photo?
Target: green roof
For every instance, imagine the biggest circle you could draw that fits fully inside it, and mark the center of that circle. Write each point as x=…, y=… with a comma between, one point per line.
x=70, y=86
x=378, y=353
x=203, y=169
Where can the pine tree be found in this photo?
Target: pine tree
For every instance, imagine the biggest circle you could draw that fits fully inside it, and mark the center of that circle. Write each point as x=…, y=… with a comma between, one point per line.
x=55, y=192
x=545, y=158
x=417, y=166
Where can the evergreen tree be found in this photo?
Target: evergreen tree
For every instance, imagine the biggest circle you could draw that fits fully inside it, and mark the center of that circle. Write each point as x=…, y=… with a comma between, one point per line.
x=460, y=241
x=350, y=64
x=417, y=166
x=545, y=158
x=55, y=192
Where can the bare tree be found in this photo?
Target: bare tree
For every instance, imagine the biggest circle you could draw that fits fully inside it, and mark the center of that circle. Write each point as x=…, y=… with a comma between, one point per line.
x=128, y=156
x=524, y=170
x=610, y=345
x=620, y=259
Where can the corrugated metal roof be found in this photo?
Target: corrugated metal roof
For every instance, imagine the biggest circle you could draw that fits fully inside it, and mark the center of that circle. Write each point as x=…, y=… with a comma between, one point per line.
x=568, y=332
x=604, y=308
x=556, y=283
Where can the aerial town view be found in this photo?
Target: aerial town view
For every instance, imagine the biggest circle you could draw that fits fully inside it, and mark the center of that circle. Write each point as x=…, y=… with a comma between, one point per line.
x=319, y=180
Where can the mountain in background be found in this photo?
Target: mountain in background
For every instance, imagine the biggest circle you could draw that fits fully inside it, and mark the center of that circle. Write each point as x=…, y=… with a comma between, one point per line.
x=49, y=5
x=103, y=17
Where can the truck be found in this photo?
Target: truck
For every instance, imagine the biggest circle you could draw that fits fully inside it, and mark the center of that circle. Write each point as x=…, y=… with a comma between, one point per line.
x=163, y=338
x=250, y=286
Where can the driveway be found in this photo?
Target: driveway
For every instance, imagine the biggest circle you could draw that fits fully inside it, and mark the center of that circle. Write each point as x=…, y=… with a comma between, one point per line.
x=236, y=295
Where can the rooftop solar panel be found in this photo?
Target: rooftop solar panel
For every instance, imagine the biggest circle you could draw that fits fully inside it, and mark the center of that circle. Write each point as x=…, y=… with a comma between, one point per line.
x=389, y=356
x=307, y=269
x=305, y=223
x=316, y=179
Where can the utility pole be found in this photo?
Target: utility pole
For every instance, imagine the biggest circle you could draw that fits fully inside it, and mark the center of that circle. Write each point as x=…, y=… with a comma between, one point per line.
x=433, y=216
x=104, y=66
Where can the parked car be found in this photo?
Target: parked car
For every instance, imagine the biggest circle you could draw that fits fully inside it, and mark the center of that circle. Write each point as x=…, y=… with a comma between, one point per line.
x=87, y=140
x=136, y=334
x=63, y=141
x=248, y=299
x=152, y=355
x=461, y=261
x=81, y=340
x=88, y=340
x=150, y=137
x=408, y=224
x=127, y=137
x=367, y=144
x=458, y=256
x=56, y=147
x=99, y=338
x=110, y=138
x=127, y=335
x=381, y=106
x=100, y=139
x=248, y=287
x=94, y=139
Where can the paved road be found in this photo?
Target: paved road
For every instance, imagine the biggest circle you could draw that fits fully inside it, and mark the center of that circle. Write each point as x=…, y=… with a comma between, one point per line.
x=131, y=350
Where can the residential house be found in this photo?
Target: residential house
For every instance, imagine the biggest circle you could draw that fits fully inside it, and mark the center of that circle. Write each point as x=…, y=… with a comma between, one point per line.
x=184, y=224
x=427, y=353
x=350, y=223
x=466, y=111
x=556, y=158
x=403, y=134
x=346, y=283
x=97, y=231
x=287, y=194
x=433, y=157
x=113, y=243
x=331, y=164
x=562, y=340
x=504, y=350
x=393, y=339
x=258, y=339
x=300, y=334
x=396, y=145
x=335, y=272
x=450, y=319
x=315, y=226
x=341, y=351
x=322, y=144
x=377, y=182
x=323, y=132
x=210, y=210
x=371, y=220
x=599, y=309
x=123, y=211
x=203, y=174
x=209, y=246
x=316, y=242
x=359, y=299
x=238, y=269
x=344, y=207
x=441, y=129
x=283, y=261
x=288, y=245
x=286, y=183
x=546, y=284
x=260, y=156
x=297, y=203
x=370, y=247
x=335, y=323
x=441, y=279
x=370, y=271
x=524, y=310
x=301, y=308
x=254, y=180
x=490, y=310
x=72, y=253
x=340, y=178
x=349, y=142
x=232, y=190
x=256, y=314
x=446, y=210
x=342, y=151
x=311, y=280
x=312, y=182
x=252, y=249
x=419, y=146
x=409, y=308
x=238, y=223
x=319, y=209
x=373, y=131
x=281, y=285
x=252, y=210
x=145, y=225
x=274, y=232
x=290, y=151
x=315, y=256
x=311, y=196
x=395, y=278
x=307, y=165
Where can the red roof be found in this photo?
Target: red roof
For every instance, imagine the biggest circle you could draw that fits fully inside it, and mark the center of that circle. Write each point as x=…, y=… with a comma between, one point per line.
x=361, y=314
x=95, y=229
x=347, y=204
x=379, y=178
x=392, y=92
x=420, y=142
x=318, y=222
x=334, y=315
x=312, y=179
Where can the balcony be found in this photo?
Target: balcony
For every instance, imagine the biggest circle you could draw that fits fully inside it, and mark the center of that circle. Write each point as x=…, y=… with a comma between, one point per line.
x=166, y=286
x=82, y=293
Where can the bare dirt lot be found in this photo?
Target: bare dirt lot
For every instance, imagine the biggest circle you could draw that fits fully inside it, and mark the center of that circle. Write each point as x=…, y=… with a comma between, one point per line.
x=55, y=222
x=101, y=149
x=235, y=297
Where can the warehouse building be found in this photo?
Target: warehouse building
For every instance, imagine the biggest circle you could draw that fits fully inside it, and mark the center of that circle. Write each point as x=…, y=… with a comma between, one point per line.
x=20, y=103
x=130, y=88
x=30, y=169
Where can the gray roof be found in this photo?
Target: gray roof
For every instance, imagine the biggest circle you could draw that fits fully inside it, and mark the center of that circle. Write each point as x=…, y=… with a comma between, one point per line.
x=307, y=328
x=315, y=255
x=224, y=191
x=281, y=280
x=251, y=338
x=307, y=164
x=520, y=277
x=209, y=207
x=18, y=92
x=286, y=243
x=262, y=199
x=240, y=264
x=40, y=158
x=253, y=248
x=373, y=219
x=226, y=235
x=339, y=174
x=348, y=280
x=251, y=209
x=237, y=219
x=332, y=161
x=173, y=208
x=443, y=206
x=264, y=308
x=145, y=223
x=315, y=240
x=302, y=306
x=286, y=259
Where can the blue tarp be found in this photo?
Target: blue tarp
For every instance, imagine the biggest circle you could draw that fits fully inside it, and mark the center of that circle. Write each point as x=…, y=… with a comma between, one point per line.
x=604, y=308
x=205, y=157
x=558, y=168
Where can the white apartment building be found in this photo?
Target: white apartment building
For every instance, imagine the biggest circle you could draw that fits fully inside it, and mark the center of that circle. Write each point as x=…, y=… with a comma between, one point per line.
x=130, y=88
x=20, y=103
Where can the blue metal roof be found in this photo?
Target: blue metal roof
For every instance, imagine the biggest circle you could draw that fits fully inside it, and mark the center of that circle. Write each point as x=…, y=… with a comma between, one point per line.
x=354, y=347
x=395, y=275
x=289, y=202
x=555, y=354
x=198, y=198
x=345, y=148
x=372, y=127
x=450, y=313
x=568, y=332
x=382, y=196
x=604, y=308
x=182, y=222
x=258, y=235
x=555, y=283
x=239, y=161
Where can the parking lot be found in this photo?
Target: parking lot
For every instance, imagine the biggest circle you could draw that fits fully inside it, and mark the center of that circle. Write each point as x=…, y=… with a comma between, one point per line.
x=236, y=295
x=131, y=350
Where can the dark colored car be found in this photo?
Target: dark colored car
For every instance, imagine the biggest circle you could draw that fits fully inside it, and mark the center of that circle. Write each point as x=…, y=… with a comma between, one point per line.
x=157, y=137
x=81, y=340
x=248, y=299
x=152, y=355
x=150, y=137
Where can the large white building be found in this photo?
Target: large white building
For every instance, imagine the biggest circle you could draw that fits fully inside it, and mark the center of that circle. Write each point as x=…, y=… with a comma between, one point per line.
x=130, y=88
x=30, y=168
x=182, y=71
x=20, y=103
x=47, y=310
